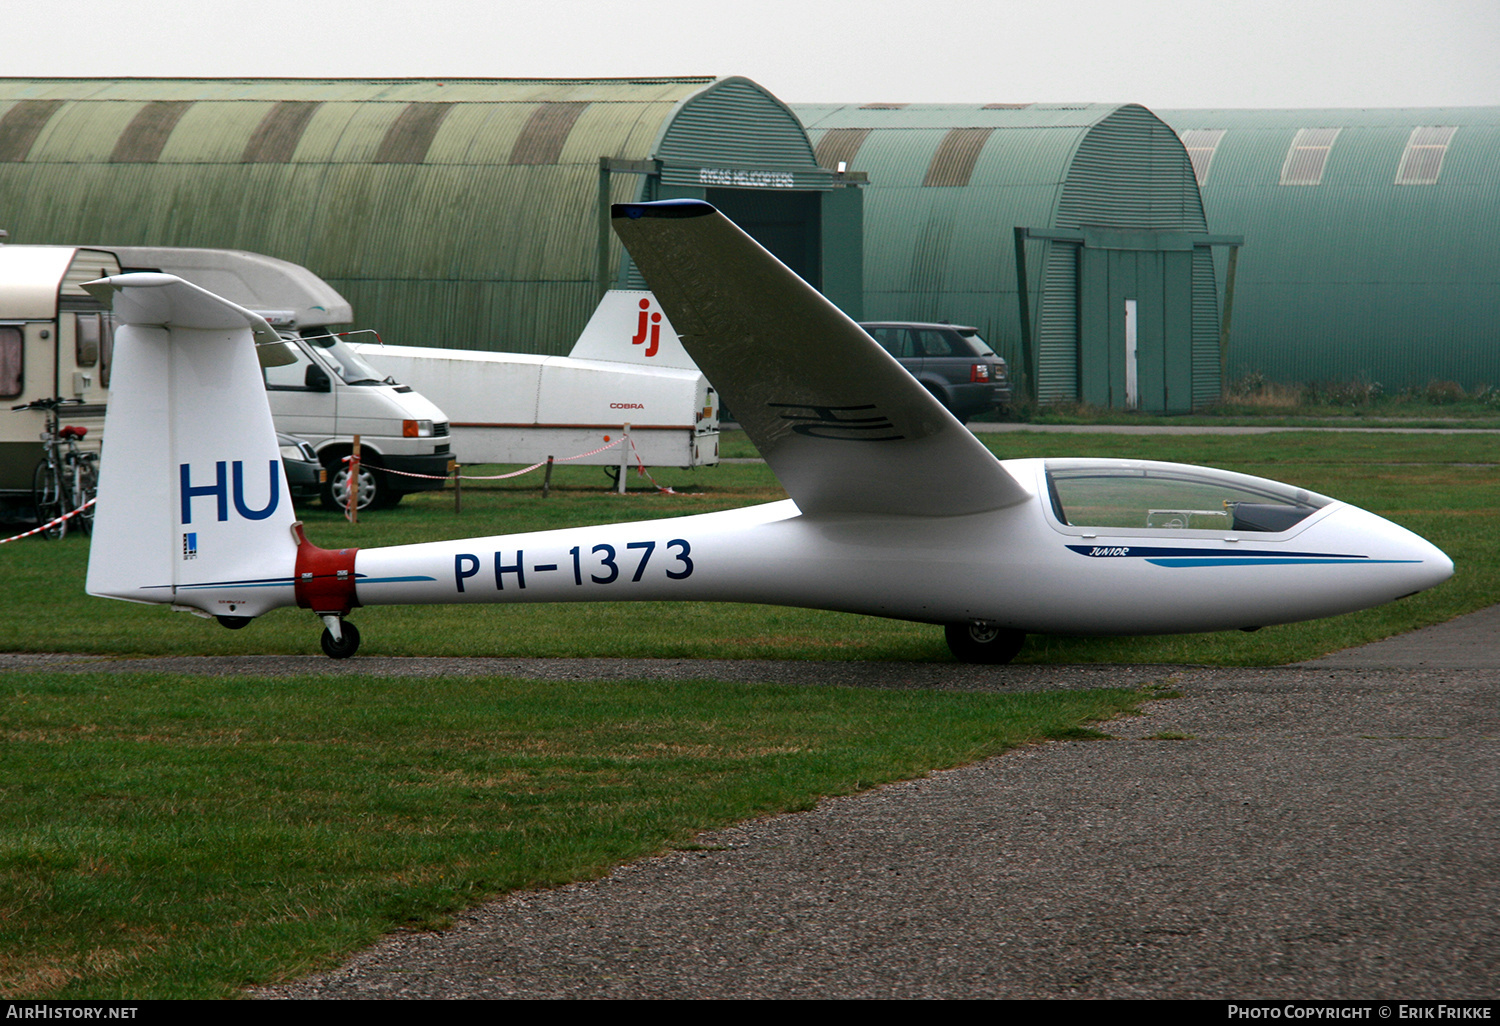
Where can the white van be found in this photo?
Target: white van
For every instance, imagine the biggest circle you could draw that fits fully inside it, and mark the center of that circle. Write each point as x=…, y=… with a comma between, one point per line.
x=330, y=393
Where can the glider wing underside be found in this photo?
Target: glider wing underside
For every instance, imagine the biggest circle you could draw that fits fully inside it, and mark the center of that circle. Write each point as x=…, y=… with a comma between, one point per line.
x=844, y=427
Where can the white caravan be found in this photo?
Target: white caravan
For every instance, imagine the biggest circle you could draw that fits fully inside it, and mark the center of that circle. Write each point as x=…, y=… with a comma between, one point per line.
x=628, y=368
x=55, y=342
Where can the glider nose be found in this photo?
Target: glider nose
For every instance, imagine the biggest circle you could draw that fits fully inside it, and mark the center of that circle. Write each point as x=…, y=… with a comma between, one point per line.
x=1416, y=563
x=1434, y=567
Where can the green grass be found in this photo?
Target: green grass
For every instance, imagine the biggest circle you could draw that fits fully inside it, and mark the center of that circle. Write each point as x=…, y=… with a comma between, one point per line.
x=164, y=836
x=1406, y=416
x=1445, y=487
x=1253, y=401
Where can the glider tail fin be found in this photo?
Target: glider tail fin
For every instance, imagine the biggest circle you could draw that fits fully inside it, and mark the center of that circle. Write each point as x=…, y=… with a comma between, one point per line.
x=629, y=326
x=193, y=507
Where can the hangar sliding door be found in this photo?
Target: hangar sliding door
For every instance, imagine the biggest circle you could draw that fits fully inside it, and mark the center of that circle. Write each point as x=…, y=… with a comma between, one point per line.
x=783, y=221
x=1135, y=318
x=1127, y=319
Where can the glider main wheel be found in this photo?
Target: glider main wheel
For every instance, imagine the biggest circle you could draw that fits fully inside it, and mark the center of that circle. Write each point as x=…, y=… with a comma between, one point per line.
x=345, y=646
x=972, y=643
x=234, y=623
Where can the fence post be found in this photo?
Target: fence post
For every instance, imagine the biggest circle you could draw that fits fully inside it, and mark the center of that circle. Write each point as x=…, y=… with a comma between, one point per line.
x=352, y=512
x=547, y=480
x=624, y=459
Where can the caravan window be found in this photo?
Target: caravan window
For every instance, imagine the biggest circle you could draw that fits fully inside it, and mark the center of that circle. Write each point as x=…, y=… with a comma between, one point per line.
x=11, y=378
x=86, y=338
x=106, y=347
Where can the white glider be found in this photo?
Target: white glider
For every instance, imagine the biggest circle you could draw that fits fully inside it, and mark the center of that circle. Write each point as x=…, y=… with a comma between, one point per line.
x=895, y=509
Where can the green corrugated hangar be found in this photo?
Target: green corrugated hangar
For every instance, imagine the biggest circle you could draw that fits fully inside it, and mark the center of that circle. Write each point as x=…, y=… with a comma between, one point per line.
x=466, y=214
x=1115, y=302
x=1372, y=243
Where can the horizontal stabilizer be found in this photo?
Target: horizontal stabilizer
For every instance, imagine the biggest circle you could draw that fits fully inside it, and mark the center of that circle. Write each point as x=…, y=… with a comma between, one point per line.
x=844, y=427
x=156, y=299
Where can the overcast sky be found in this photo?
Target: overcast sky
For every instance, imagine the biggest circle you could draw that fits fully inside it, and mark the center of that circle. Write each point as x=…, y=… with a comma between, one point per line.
x=1162, y=53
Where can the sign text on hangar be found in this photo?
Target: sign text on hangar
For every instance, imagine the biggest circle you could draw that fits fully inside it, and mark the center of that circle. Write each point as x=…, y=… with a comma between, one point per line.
x=721, y=177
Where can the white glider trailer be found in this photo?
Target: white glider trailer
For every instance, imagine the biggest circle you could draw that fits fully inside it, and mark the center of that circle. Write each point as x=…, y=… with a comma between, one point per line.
x=499, y=407
x=627, y=374
x=327, y=393
x=55, y=342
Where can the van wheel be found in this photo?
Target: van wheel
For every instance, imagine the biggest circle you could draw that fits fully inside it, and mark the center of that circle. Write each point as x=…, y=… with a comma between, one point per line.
x=975, y=643
x=373, y=492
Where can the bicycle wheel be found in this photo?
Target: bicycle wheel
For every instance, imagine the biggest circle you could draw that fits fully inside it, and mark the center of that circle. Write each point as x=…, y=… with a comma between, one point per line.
x=47, y=494
x=85, y=486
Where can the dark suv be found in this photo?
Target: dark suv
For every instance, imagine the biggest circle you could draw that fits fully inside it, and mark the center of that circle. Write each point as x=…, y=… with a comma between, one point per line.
x=956, y=365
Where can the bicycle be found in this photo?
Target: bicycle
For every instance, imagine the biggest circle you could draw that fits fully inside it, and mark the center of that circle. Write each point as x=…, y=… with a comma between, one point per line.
x=66, y=478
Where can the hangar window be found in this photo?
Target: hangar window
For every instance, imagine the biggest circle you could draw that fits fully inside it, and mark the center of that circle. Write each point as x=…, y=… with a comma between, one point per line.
x=956, y=155
x=1125, y=495
x=1423, y=160
x=840, y=146
x=1201, y=144
x=1307, y=156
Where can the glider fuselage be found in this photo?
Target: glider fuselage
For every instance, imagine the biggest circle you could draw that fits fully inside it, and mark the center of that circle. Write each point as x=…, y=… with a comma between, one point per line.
x=1018, y=567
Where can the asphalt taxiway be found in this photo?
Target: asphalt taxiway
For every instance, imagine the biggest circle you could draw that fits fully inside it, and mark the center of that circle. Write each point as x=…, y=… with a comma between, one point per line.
x=1325, y=830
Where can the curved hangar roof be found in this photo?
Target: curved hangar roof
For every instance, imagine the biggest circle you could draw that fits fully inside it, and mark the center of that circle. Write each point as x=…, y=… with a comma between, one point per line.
x=453, y=213
x=1371, y=240
x=950, y=184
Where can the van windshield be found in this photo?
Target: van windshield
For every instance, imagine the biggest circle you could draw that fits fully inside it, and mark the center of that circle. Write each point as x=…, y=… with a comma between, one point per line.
x=346, y=363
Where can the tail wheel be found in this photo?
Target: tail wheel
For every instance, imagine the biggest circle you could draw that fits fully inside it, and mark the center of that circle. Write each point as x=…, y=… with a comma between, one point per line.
x=345, y=646
x=981, y=643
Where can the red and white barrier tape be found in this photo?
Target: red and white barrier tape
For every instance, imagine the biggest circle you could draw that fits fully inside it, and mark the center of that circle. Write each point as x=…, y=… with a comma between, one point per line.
x=496, y=477
x=50, y=523
x=640, y=468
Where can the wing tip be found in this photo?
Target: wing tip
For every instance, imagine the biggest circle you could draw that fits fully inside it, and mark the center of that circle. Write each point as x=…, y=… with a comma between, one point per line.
x=661, y=208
